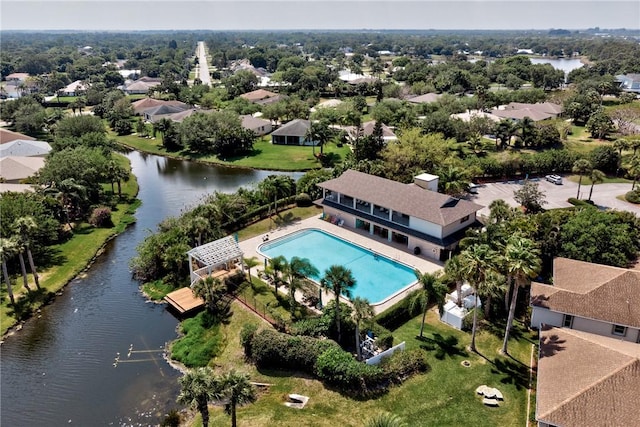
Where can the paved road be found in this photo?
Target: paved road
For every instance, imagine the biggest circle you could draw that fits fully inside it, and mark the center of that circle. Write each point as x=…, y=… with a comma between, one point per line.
x=604, y=195
x=203, y=65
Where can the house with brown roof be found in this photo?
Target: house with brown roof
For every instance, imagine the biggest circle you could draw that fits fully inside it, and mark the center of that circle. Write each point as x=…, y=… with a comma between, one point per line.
x=292, y=133
x=426, y=98
x=536, y=112
x=14, y=169
x=7, y=135
x=586, y=380
x=256, y=125
x=410, y=216
x=593, y=298
x=262, y=97
x=141, y=105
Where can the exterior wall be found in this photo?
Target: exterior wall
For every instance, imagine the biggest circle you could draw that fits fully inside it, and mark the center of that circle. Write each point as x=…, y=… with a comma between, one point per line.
x=425, y=227
x=349, y=220
x=452, y=228
x=427, y=249
x=542, y=315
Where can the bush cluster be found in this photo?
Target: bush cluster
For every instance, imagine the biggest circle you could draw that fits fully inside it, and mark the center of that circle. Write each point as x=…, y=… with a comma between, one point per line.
x=303, y=200
x=396, y=315
x=633, y=197
x=578, y=202
x=101, y=217
x=325, y=359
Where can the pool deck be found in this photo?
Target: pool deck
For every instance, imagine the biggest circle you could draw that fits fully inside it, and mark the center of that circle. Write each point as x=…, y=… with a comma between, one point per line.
x=373, y=243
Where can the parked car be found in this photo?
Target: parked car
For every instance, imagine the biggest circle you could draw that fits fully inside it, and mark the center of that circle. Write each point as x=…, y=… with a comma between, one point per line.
x=556, y=179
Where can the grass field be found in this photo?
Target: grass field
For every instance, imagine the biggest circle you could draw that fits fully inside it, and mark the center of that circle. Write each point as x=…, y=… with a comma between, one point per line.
x=264, y=155
x=444, y=396
x=74, y=255
x=283, y=218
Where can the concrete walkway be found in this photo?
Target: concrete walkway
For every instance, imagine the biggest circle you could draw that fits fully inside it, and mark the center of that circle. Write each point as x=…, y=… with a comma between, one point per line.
x=392, y=251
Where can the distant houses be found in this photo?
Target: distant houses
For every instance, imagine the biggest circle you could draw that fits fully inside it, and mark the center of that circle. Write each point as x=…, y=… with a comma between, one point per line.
x=292, y=133
x=21, y=156
x=141, y=86
x=629, y=82
x=262, y=97
x=536, y=112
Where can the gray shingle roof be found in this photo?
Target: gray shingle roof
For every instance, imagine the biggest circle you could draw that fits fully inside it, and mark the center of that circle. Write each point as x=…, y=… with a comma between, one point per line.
x=409, y=199
x=297, y=127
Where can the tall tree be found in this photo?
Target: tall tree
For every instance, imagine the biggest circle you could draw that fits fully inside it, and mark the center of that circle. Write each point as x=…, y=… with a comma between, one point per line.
x=340, y=280
x=296, y=270
x=522, y=263
x=581, y=167
x=477, y=261
x=237, y=391
x=197, y=388
x=212, y=291
x=7, y=250
x=596, y=177
x=276, y=269
x=453, y=270
x=431, y=288
x=250, y=263
x=24, y=228
x=362, y=311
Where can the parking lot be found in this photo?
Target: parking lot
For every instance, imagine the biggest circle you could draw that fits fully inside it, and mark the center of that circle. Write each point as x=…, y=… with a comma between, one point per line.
x=604, y=195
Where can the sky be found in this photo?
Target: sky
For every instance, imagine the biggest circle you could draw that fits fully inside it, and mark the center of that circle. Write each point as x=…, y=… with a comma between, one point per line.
x=100, y=15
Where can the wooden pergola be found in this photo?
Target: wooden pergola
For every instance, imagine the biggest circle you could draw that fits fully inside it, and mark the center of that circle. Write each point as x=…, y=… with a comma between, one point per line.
x=218, y=255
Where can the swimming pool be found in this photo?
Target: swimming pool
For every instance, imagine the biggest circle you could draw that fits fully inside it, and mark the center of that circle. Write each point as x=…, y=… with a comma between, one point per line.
x=377, y=277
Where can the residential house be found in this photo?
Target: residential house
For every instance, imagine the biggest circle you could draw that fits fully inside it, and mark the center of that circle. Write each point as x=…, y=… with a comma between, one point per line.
x=589, y=361
x=74, y=88
x=594, y=298
x=586, y=379
x=536, y=112
x=25, y=148
x=14, y=169
x=147, y=103
x=629, y=82
x=427, y=98
x=262, y=97
x=140, y=86
x=258, y=126
x=366, y=129
x=8, y=136
x=413, y=216
x=469, y=115
x=17, y=77
x=292, y=133
x=155, y=114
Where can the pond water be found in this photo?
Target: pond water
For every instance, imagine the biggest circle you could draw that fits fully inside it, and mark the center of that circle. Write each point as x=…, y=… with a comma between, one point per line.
x=59, y=369
x=565, y=64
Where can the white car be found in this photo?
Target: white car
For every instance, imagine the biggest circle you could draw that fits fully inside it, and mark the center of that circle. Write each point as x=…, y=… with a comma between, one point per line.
x=556, y=179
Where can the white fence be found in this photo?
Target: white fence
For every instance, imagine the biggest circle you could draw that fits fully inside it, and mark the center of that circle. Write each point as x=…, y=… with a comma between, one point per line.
x=378, y=357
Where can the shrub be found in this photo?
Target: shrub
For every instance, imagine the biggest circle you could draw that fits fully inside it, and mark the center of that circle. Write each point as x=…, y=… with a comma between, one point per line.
x=337, y=367
x=312, y=327
x=633, y=197
x=402, y=364
x=303, y=200
x=395, y=316
x=200, y=343
x=605, y=158
x=278, y=350
x=383, y=336
x=247, y=333
x=578, y=202
x=101, y=217
x=467, y=322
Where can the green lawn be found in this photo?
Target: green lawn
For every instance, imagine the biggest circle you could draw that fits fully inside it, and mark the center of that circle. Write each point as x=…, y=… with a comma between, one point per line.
x=444, y=396
x=607, y=180
x=283, y=218
x=264, y=156
x=74, y=255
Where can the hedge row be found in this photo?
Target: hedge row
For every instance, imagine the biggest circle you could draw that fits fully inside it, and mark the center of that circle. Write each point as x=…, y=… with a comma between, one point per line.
x=395, y=316
x=324, y=359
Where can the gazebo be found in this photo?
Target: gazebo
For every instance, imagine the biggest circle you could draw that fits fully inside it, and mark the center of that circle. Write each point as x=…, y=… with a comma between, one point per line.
x=215, y=259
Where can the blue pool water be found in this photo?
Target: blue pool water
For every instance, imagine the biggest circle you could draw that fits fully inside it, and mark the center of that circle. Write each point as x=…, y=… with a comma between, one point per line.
x=377, y=277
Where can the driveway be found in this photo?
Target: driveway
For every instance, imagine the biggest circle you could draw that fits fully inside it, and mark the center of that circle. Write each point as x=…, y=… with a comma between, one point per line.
x=604, y=195
x=203, y=66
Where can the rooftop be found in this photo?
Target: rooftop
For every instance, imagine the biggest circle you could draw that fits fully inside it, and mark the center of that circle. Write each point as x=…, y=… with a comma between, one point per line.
x=7, y=135
x=409, y=199
x=610, y=294
x=586, y=379
x=297, y=127
x=217, y=252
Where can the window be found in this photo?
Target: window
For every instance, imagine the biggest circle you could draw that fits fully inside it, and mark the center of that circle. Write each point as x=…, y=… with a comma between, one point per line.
x=464, y=219
x=567, y=321
x=619, y=330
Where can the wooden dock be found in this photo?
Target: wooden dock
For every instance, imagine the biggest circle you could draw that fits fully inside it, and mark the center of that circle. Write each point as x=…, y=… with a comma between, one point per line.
x=183, y=300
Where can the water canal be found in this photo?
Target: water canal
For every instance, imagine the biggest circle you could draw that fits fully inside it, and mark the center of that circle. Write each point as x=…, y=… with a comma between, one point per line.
x=58, y=370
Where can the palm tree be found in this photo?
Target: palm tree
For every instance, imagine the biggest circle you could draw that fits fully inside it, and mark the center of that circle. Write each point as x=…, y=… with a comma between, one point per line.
x=340, y=280
x=198, y=226
x=634, y=170
x=25, y=227
x=596, y=177
x=238, y=391
x=477, y=260
x=7, y=250
x=493, y=286
x=499, y=211
x=211, y=290
x=197, y=388
x=522, y=263
x=362, y=311
x=431, y=288
x=25, y=279
x=318, y=132
x=453, y=270
x=581, y=167
x=621, y=145
x=385, y=419
x=275, y=269
x=296, y=270
x=454, y=180
x=250, y=263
